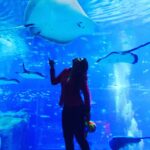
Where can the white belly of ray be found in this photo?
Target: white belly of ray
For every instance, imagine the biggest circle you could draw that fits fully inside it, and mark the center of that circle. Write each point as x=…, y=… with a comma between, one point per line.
x=58, y=20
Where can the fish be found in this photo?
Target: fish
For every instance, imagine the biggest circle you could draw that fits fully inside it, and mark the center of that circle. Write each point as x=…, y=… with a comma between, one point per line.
x=7, y=81
x=119, y=142
x=60, y=21
x=30, y=74
x=126, y=56
x=119, y=57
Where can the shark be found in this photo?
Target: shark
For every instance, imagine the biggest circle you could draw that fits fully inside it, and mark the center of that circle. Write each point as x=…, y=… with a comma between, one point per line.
x=7, y=81
x=118, y=142
x=30, y=74
x=58, y=20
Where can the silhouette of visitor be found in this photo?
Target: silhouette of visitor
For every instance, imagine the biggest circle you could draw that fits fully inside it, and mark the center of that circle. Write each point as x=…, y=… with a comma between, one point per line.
x=75, y=100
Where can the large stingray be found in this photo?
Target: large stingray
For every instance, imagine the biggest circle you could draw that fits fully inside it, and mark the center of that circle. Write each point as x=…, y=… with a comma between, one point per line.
x=58, y=20
x=122, y=56
x=119, y=57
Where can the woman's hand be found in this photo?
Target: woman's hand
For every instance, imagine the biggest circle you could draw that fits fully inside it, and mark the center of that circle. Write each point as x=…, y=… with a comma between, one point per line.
x=51, y=63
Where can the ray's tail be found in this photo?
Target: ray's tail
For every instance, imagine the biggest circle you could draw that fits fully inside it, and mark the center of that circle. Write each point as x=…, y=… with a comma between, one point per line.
x=17, y=27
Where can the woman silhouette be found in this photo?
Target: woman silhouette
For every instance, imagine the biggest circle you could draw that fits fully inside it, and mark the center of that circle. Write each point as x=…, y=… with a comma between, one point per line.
x=75, y=100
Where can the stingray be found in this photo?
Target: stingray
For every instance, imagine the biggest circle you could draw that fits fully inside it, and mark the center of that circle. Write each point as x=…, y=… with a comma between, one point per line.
x=58, y=20
x=123, y=56
x=7, y=81
x=116, y=143
x=30, y=74
x=119, y=57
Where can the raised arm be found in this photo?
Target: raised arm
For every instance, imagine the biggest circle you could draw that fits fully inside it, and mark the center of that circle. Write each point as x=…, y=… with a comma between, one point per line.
x=53, y=78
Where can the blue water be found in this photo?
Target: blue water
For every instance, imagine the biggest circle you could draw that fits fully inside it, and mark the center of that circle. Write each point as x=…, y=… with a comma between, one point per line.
x=120, y=92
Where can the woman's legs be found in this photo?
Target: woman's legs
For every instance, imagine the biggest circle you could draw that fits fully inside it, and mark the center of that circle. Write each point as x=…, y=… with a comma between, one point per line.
x=79, y=127
x=81, y=139
x=67, y=129
x=73, y=124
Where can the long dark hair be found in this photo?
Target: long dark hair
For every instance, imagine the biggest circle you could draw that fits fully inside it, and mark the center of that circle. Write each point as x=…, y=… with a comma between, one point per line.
x=79, y=70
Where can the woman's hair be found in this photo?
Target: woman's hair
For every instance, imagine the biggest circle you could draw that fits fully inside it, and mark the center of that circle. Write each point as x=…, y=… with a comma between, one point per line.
x=80, y=65
x=79, y=70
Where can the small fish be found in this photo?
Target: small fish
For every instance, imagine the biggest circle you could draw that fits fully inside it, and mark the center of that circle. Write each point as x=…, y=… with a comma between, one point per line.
x=30, y=74
x=6, y=81
x=119, y=142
